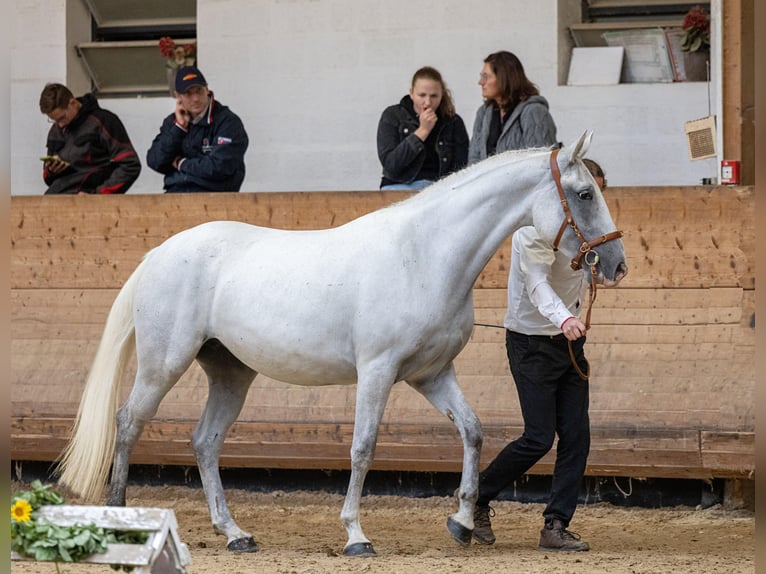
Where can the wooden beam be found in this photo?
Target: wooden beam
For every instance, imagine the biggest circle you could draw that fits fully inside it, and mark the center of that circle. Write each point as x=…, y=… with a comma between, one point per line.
x=614, y=451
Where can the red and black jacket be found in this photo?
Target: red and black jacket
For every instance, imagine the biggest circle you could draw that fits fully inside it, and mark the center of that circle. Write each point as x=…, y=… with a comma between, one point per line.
x=96, y=145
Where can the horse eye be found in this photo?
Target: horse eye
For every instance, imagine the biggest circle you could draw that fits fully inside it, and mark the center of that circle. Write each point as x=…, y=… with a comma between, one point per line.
x=585, y=194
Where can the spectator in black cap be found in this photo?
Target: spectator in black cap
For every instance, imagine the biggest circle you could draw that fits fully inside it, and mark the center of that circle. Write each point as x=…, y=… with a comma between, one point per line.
x=201, y=146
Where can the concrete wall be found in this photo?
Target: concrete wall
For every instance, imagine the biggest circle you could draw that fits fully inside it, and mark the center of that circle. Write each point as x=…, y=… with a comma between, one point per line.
x=310, y=78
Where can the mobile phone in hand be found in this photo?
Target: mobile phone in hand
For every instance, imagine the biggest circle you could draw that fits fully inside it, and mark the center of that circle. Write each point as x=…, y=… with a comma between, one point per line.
x=54, y=159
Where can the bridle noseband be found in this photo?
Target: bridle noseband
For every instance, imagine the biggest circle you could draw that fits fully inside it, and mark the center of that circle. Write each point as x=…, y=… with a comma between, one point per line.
x=586, y=252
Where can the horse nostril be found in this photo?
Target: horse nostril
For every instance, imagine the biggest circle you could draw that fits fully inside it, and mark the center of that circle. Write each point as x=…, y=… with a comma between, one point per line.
x=622, y=271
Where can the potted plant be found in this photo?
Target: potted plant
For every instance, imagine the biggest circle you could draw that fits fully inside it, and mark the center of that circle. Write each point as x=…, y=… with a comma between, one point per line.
x=176, y=56
x=695, y=44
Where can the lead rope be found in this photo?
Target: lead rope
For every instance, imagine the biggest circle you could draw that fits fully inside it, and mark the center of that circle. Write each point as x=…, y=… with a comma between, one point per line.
x=585, y=375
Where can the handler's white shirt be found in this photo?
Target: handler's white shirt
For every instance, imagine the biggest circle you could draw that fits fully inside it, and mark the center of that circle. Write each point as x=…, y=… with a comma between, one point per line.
x=543, y=290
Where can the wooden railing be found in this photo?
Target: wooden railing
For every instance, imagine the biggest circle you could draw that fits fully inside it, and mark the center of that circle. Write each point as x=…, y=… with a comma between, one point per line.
x=672, y=348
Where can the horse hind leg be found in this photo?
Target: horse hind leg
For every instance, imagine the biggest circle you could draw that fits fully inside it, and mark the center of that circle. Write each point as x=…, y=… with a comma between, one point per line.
x=228, y=381
x=162, y=357
x=150, y=387
x=444, y=393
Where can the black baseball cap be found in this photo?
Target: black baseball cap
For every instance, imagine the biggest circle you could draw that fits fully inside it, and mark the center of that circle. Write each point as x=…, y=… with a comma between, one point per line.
x=187, y=77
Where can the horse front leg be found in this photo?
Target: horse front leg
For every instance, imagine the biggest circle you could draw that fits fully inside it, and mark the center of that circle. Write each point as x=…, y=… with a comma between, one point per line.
x=444, y=393
x=373, y=390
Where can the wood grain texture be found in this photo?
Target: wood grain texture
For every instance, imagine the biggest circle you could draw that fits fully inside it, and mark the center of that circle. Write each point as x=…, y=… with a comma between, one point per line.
x=672, y=348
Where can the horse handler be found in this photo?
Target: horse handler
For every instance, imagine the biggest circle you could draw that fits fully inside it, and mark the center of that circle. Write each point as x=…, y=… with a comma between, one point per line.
x=544, y=337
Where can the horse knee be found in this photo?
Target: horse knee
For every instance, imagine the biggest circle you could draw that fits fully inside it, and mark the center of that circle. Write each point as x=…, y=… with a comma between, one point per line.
x=361, y=456
x=206, y=448
x=199, y=442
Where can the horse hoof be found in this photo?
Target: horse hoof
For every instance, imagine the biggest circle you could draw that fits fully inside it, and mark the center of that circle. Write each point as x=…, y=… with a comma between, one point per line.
x=460, y=533
x=361, y=549
x=242, y=545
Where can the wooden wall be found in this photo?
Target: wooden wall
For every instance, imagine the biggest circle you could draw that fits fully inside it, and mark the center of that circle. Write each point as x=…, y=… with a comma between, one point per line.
x=672, y=348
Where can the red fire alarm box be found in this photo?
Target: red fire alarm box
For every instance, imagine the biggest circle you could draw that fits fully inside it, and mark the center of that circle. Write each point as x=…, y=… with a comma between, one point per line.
x=730, y=172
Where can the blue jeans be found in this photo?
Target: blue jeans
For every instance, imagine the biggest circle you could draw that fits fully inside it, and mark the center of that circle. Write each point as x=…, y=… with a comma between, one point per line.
x=554, y=401
x=418, y=184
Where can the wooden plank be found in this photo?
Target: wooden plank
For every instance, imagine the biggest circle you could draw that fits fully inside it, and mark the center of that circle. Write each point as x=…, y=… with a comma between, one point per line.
x=674, y=237
x=621, y=384
x=614, y=451
x=728, y=450
x=56, y=312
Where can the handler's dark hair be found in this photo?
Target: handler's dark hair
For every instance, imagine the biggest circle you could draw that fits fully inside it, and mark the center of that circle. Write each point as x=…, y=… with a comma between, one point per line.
x=595, y=170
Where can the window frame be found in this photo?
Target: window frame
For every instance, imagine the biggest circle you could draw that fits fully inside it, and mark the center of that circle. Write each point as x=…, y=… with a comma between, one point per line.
x=122, y=57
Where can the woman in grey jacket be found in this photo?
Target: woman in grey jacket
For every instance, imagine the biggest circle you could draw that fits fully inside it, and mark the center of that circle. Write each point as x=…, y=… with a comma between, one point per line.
x=514, y=115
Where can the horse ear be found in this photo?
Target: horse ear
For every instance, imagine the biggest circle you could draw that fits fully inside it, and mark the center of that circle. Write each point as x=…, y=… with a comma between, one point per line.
x=581, y=146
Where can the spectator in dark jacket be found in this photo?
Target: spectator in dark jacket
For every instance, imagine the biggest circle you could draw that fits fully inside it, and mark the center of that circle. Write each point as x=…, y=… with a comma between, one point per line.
x=89, y=150
x=421, y=139
x=201, y=146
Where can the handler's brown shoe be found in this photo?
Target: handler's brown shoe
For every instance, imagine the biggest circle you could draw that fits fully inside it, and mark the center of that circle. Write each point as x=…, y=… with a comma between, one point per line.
x=482, y=527
x=554, y=537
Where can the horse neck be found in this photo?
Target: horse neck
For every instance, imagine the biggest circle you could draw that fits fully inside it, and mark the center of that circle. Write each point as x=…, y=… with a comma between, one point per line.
x=465, y=222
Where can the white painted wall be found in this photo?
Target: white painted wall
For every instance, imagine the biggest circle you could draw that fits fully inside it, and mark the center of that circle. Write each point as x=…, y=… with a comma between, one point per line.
x=309, y=78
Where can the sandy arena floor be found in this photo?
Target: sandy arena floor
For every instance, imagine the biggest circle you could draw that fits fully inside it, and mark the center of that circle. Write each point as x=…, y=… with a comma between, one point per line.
x=300, y=533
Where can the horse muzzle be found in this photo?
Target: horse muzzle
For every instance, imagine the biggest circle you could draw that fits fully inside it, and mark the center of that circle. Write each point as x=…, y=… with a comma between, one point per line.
x=619, y=274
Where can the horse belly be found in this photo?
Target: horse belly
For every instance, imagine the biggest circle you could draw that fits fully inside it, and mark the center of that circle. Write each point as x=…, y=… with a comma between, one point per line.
x=300, y=363
x=285, y=343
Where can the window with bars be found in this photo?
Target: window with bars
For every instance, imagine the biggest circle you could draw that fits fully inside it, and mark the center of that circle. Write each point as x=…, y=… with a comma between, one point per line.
x=123, y=57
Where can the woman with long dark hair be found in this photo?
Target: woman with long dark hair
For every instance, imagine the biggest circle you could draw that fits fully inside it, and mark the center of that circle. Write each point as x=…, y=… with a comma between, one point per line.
x=514, y=115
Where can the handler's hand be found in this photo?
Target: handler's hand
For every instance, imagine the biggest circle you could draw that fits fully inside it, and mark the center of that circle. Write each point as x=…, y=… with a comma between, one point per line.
x=573, y=329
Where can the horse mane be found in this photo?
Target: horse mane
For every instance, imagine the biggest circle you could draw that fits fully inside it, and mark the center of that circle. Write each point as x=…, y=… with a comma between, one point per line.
x=470, y=173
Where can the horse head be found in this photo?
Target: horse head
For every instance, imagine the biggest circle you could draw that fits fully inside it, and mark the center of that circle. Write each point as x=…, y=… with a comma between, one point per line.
x=581, y=227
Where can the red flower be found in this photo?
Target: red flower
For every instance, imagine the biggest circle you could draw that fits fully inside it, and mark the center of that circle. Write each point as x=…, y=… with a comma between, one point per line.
x=167, y=46
x=696, y=30
x=177, y=55
x=697, y=18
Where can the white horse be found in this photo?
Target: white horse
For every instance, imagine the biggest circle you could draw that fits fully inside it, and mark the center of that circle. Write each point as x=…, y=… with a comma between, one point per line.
x=384, y=298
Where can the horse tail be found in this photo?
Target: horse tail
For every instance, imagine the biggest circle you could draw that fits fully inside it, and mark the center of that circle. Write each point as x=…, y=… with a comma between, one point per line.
x=84, y=464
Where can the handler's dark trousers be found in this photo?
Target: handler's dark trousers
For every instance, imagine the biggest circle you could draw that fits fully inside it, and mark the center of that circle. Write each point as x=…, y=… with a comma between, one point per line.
x=554, y=401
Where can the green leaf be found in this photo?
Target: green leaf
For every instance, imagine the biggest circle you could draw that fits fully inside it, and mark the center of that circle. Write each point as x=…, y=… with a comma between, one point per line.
x=82, y=538
x=64, y=554
x=45, y=554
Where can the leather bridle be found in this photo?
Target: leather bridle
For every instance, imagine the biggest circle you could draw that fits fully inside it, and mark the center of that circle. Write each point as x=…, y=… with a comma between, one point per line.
x=586, y=253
